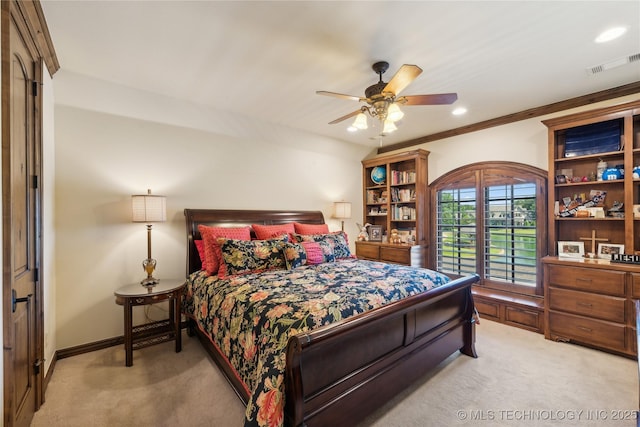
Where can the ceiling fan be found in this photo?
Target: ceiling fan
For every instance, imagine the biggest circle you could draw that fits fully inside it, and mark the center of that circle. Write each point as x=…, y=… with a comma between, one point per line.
x=383, y=99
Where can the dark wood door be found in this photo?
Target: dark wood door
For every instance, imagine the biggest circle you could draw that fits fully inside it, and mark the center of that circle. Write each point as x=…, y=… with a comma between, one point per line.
x=21, y=224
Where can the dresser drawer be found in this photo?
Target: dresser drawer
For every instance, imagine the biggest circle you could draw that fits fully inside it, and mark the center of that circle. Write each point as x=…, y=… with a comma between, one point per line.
x=587, y=304
x=364, y=250
x=635, y=287
x=396, y=255
x=587, y=279
x=590, y=331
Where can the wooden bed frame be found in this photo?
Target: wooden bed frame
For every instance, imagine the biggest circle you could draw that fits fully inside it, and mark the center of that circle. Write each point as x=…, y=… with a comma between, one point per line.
x=339, y=374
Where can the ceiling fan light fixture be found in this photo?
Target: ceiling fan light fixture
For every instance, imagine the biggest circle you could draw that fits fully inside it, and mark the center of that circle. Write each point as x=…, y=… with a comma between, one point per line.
x=383, y=99
x=394, y=113
x=389, y=127
x=360, y=122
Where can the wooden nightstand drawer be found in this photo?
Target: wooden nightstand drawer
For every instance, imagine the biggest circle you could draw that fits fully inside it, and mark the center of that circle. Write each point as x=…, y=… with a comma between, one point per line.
x=587, y=279
x=592, y=305
x=399, y=255
x=150, y=299
x=581, y=329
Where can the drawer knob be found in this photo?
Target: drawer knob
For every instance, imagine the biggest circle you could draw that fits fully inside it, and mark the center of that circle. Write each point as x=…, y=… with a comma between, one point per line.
x=584, y=304
x=583, y=279
x=139, y=300
x=585, y=329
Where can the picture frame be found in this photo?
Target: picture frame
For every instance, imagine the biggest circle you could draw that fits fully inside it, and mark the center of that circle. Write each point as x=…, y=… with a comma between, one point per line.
x=605, y=250
x=561, y=179
x=375, y=233
x=570, y=249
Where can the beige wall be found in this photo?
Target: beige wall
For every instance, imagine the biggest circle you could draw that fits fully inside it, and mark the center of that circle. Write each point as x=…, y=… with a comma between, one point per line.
x=111, y=142
x=48, y=210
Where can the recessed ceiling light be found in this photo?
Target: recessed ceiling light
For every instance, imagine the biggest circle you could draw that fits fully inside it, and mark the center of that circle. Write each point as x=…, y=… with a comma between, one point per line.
x=459, y=111
x=610, y=34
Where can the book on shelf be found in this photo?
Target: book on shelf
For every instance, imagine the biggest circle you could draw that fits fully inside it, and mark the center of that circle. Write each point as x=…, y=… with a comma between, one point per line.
x=403, y=213
x=373, y=196
x=403, y=194
x=403, y=177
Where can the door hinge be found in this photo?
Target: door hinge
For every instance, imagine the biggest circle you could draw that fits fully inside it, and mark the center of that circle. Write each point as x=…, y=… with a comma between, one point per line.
x=34, y=87
x=36, y=274
x=35, y=181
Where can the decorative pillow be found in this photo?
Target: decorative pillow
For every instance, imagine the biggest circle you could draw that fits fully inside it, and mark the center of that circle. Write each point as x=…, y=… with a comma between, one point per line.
x=264, y=232
x=337, y=241
x=318, y=252
x=311, y=228
x=211, y=248
x=200, y=247
x=250, y=256
x=295, y=255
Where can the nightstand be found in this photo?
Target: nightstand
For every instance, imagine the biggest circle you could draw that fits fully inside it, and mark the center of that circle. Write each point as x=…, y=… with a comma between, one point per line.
x=136, y=337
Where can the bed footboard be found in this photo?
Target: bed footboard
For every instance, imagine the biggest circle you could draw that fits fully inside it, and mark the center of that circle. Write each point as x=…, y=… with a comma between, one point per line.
x=337, y=376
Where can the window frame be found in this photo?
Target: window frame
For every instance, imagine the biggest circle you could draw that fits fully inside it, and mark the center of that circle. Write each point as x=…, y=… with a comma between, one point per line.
x=482, y=175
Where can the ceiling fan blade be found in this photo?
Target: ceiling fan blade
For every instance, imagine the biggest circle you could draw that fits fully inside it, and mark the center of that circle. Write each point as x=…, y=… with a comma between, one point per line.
x=345, y=117
x=338, y=95
x=401, y=79
x=434, y=99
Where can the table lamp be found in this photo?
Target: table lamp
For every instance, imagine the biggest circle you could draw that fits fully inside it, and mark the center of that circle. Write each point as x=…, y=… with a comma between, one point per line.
x=149, y=208
x=342, y=211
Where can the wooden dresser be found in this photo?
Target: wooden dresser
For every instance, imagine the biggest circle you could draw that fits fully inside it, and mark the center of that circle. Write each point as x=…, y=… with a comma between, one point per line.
x=591, y=302
x=413, y=255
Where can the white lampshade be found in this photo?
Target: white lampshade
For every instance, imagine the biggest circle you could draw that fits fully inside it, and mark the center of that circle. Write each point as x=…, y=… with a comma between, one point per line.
x=394, y=113
x=360, y=122
x=389, y=127
x=149, y=208
x=342, y=210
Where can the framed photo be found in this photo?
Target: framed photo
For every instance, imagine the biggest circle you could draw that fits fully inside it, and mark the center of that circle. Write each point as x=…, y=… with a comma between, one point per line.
x=605, y=250
x=561, y=179
x=571, y=249
x=375, y=233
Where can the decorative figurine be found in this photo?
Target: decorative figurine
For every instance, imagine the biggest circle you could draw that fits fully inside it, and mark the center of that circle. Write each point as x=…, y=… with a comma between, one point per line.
x=617, y=210
x=363, y=236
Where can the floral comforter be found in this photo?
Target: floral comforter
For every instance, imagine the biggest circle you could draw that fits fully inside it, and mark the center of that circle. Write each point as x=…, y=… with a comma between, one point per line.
x=251, y=317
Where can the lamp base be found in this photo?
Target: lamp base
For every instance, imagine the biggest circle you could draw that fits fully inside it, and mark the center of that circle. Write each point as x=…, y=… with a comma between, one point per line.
x=149, y=282
x=149, y=265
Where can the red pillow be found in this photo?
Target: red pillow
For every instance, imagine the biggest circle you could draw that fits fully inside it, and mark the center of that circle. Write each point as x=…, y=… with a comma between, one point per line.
x=266, y=232
x=311, y=228
x=212, y=250
x=200, y=247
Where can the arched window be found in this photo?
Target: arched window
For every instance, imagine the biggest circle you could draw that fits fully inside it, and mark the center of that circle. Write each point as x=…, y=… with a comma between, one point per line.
x=490, y=219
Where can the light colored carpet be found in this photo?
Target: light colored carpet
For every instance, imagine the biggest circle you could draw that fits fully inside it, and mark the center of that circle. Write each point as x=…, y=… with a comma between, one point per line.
x=519, y=379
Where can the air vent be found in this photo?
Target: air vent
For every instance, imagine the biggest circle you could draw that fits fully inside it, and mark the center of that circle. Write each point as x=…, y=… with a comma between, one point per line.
x=613, y=64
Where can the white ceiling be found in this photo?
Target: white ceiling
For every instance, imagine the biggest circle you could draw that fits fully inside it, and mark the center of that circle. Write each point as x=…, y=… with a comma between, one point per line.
x=266, y=59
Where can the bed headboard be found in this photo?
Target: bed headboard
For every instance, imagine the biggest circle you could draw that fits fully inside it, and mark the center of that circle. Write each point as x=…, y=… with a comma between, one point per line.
x=237, y=218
